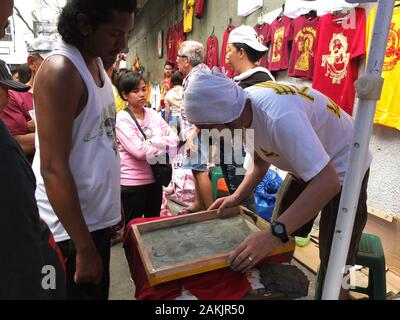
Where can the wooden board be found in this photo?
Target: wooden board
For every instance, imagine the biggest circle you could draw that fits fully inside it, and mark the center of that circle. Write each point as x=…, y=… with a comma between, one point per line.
x=308, y=256
x=387, y=228
x=186, y=245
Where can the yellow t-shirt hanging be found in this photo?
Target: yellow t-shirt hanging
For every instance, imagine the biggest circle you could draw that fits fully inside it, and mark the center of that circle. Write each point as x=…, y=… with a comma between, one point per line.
x=388, y=108
x=188, y=14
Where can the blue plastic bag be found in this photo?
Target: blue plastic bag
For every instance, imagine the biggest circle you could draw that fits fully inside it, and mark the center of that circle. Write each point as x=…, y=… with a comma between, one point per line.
x=265, y=207
x=265, y=194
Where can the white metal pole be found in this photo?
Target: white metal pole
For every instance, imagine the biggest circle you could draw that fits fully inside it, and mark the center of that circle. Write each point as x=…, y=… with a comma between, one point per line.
x=369, y=89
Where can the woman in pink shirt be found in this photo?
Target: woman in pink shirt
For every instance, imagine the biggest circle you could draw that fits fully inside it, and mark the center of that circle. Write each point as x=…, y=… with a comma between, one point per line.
x=141, y=193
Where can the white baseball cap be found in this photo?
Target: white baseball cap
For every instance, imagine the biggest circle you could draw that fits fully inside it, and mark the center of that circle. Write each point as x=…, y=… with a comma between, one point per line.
x=42, y=46
x=247, y=35
x=210, y=98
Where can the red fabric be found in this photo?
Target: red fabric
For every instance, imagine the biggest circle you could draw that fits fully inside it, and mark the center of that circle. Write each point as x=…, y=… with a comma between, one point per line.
x=305, y=34
x=170, y=42
x=222, y=63
x=335, y=72
x=180, y=37
x=281, y=34
x=16, y=114
x=212, y=52
x=263, y=35
x=57, y=250
x=199, y=9
x=222, y=284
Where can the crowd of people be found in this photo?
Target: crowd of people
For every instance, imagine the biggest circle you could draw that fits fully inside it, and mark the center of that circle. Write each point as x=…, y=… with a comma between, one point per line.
x=83, y=125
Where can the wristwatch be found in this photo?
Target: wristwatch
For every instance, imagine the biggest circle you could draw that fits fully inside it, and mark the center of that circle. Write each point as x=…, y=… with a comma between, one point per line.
x=279, y=231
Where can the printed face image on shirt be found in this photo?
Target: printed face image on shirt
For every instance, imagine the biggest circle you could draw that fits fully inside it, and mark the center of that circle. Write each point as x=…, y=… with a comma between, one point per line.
x=107, y=127
x=305, y=42
x=337, y=61
x=392, y=49
x=278, y=43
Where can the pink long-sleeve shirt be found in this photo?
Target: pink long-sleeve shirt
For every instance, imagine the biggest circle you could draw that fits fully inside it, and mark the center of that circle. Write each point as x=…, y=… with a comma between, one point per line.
x=135, y=152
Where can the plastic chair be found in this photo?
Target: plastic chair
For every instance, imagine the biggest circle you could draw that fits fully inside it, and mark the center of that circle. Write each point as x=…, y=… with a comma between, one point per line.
x=370, y=254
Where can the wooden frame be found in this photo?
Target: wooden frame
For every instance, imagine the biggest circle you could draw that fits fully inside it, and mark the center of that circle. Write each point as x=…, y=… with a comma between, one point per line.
x=157, y=275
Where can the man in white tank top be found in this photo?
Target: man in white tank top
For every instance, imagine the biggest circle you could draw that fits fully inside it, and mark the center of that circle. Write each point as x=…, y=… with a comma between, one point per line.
x=77, y=167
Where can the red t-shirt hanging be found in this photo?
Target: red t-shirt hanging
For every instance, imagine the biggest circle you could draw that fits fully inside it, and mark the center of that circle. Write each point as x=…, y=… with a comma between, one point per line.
x=263, y=34
x=336, y=58
x=199, y=9
x=222, y=63
x=180, y=37
x=304, y=38
x=281, y=34
x=212, y=52
x=170, y=41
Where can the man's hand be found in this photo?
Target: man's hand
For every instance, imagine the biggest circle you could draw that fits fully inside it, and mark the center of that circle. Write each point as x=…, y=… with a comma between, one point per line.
x=89, y=267
x=121, y=57
x=253, y=249
x=31, y=126
x=224, y=203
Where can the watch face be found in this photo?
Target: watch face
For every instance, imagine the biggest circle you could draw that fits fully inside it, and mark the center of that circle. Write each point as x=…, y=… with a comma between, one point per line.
x=278, y=229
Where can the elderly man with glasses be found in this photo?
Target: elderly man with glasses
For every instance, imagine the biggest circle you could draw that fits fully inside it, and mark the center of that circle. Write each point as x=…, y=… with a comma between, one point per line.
x=190, y=60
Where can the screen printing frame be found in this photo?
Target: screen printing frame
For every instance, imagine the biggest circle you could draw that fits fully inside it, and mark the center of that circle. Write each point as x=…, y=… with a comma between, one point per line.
x=196, y=266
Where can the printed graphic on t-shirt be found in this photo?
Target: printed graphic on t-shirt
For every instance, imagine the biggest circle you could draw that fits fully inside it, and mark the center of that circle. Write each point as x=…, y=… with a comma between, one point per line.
x=108, y=121
x=278, y=44
x=269, y=154
x=303, y=92
x=305, y=42
x=107, y=126
x=165, y=87
x=392, y=48
x=337, y=61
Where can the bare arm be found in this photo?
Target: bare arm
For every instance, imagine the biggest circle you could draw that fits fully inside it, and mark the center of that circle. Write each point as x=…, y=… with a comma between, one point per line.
x=167, y=111
x=321, y=190
x=27, y=143
x=56, y=110
x=250, y=182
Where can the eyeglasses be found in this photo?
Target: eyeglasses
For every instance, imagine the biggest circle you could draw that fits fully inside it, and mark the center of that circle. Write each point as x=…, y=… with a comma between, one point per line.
x=181, y=56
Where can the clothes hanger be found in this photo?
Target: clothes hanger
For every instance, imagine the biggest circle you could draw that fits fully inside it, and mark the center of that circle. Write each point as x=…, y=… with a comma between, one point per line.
x=213, y=32
x=230, y=24
x=342, y=14
x=279, y=18
x=311, y=15
x=260, y=18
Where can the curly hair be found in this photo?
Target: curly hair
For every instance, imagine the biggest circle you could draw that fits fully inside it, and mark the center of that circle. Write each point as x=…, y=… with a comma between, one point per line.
x=97, y=11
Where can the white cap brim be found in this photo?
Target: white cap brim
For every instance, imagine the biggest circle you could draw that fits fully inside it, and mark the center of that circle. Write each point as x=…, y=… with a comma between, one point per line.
x=252, y=44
